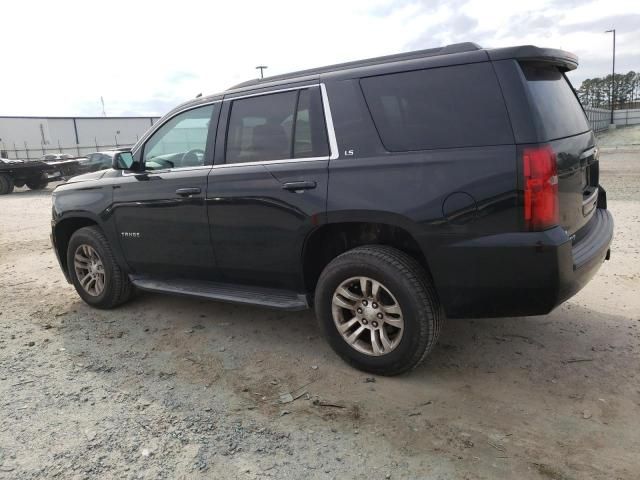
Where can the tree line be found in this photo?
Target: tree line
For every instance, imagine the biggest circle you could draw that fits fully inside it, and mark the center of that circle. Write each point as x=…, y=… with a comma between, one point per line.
x=596, y=92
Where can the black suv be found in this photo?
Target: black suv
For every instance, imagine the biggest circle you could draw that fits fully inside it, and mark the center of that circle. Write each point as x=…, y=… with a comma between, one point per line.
x=386, y=193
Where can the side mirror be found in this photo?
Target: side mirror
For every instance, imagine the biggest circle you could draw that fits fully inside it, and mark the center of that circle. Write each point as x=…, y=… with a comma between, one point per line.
x=123, y=161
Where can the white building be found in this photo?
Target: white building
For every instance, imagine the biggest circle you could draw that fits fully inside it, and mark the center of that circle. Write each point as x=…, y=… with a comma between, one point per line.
x=32, y=137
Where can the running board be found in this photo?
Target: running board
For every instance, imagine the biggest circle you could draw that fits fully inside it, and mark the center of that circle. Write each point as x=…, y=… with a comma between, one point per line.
x=264, y=297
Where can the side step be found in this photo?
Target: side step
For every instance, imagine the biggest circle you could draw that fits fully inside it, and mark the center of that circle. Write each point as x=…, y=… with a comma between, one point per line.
x=264, y=297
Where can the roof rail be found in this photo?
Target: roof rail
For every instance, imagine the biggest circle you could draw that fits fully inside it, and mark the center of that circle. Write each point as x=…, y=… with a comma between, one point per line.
x=431, y=52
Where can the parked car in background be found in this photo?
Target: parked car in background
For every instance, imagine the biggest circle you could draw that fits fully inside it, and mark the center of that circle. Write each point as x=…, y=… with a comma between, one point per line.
x=9, y=160
x=386, y=193
x=63, y=165
x=97, y=161
x=56, y=157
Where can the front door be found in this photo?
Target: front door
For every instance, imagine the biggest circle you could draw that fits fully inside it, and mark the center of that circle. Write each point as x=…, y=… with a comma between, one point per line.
x=160, y=212
x=268, y=189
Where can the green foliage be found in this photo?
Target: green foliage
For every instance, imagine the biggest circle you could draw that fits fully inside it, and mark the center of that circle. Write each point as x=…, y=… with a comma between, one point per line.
x=596, y=92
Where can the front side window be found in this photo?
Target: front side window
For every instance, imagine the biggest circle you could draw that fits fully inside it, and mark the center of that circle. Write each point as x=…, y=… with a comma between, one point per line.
x=277, y=126
x=181, y=142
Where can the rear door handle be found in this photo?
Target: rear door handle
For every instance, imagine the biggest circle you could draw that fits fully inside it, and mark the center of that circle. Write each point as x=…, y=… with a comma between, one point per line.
x=187, y=192
x=299, y=186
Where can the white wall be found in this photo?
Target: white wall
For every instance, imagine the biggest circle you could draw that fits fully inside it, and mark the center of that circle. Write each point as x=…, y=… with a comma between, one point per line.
x=50, y=134
x=105, y=130
x=626, y=117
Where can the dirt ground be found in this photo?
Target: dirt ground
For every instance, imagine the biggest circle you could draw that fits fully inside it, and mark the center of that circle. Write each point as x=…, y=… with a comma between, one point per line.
x=171, y=387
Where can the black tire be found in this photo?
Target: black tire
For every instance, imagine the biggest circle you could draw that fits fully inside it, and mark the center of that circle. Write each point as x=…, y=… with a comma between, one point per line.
x=39, y=182
x=6, y=184
x=117, y=287
x=408, y=282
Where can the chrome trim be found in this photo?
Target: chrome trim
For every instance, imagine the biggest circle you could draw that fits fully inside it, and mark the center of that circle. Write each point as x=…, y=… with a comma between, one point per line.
x=156, y=126
x=333, y=143
x=270, y=92
x=272, y=162
x=126, y=173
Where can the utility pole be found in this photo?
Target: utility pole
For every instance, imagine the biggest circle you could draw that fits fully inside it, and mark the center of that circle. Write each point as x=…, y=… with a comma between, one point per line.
x=613, y=72
x=104, y=114
x=261, y=68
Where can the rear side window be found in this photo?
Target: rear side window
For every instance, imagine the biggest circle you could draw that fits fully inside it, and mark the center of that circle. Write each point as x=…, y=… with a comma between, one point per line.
x=277, y=126
x=459, y=106
x=310, y=128
x=559, y=111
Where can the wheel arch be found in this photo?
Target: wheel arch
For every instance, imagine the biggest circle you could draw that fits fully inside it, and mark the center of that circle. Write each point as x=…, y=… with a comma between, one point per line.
x=332, y=239
x=66, y=227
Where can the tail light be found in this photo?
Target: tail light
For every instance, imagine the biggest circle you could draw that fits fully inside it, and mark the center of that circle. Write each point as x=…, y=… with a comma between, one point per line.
x=540, y=188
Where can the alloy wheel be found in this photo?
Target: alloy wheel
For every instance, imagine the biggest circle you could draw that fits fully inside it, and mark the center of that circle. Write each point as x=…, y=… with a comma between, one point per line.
x=367, y=315
x=89, y=269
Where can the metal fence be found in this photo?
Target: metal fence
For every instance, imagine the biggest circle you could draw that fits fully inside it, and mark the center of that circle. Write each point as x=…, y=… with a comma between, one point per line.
x=36, y=153
x=599, y=118
x=629, y=116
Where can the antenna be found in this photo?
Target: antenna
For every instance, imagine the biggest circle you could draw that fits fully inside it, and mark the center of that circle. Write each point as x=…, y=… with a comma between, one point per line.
x=262, y=68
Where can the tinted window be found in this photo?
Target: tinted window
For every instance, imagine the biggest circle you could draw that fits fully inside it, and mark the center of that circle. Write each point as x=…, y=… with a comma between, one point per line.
x=310, y=130
x=559, y=110
x=458, y=106
x=180, y=142
x=262, y=128
x=105, y=161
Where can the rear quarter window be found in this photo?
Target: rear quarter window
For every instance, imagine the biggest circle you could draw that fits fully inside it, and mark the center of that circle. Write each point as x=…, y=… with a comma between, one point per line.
x=552, y=98
x=446, y=107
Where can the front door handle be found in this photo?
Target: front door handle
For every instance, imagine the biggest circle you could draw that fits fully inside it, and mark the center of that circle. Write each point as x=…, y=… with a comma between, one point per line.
x=299, y=186
x=187, y=192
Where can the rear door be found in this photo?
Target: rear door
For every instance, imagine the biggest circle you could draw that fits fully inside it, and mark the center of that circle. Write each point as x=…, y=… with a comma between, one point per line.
x=268, y=189
x=561, y=123
x=160, y=213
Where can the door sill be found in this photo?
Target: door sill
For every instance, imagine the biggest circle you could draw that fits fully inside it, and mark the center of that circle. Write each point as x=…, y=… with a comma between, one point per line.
x=224, y=292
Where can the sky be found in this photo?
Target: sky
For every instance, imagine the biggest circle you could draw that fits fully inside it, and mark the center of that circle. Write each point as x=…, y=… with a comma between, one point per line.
x=59, y=57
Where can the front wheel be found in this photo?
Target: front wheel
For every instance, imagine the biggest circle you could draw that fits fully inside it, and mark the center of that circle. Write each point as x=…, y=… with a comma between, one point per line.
x=378, y=309
x=95, y=274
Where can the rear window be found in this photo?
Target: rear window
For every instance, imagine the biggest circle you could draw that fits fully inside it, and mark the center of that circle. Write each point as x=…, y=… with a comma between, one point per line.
x=459, y=106
x=559, y=111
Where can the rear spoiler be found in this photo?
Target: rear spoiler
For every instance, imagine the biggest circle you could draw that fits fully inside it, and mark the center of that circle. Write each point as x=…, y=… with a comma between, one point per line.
x=565, y=60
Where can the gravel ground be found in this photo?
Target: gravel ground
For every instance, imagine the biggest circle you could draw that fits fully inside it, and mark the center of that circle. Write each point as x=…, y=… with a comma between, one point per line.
x=171, y=387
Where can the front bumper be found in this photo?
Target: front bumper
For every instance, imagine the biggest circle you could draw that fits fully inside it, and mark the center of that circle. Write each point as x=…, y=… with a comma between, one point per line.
x=519, y=274
x=52, y=237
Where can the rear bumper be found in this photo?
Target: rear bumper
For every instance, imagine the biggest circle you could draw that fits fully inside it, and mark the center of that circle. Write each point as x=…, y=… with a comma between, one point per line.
x=520, y=274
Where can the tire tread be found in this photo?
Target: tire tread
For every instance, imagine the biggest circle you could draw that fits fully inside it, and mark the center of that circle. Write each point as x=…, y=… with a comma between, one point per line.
x=122, y=287
x=430, y=315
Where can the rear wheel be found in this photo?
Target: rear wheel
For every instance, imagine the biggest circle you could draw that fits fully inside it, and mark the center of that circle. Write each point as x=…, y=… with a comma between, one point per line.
x=6, y=184
x=39, y=182
x=378, y=309
x=95, y=274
